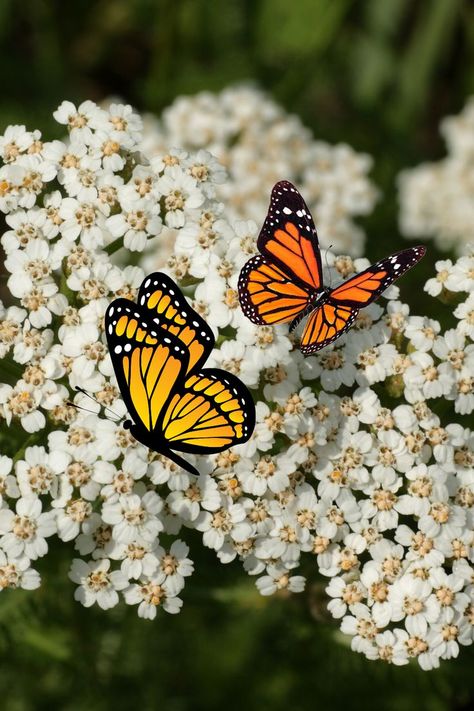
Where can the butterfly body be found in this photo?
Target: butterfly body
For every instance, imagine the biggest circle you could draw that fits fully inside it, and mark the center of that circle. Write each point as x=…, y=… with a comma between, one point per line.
x=157, y=348
x=315, y=299
x=284, y=282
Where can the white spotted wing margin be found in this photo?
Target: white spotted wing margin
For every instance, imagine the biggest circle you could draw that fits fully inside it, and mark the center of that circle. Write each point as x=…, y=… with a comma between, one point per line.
x=340, y=306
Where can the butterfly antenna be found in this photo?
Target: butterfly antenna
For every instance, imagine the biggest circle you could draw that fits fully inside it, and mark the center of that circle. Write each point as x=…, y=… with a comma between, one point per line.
x=79, y=407
x=327, y=264
x=84, y=392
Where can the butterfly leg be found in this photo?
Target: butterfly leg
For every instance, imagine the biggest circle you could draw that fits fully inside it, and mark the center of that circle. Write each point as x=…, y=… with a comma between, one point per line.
x=297, y=320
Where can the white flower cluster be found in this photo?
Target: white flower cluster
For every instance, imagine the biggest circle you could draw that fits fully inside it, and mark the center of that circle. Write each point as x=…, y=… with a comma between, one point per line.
x=437, y=199
x=355, y=462
x=259, y=143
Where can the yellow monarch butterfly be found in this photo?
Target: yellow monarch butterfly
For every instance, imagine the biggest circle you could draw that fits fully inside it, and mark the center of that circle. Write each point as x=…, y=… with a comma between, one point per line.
x=158, y=346
x=285, y=281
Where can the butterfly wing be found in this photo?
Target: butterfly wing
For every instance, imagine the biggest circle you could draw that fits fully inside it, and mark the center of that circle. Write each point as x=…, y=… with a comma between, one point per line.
x=160, y=296
x=325, y=324
x=201, y=413
x=212, y=412
x=334, y=317
x=147, y=361
x=289, y=239
x=267, y=295
x=362, y=289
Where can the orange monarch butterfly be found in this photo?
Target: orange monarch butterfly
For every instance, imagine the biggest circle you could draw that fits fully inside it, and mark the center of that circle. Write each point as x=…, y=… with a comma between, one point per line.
x=284, y=282
x=157, y=348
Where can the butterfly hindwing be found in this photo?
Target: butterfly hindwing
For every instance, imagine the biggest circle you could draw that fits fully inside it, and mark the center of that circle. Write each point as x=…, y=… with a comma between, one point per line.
x=342, y=304
x=325, y=324
x=212, y=412
x=160, y=296
x=289, y=239
x=267, y=295
x=147, y=361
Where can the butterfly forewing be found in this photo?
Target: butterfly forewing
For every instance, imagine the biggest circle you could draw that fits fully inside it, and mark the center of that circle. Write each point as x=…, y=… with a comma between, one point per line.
x=361, y=289
x=342, y=305
x=147, y=360
x=162, y=298
x=289, y=239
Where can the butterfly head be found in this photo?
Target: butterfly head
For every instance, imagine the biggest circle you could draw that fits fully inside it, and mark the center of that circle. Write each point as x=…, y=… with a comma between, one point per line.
x=136, y=431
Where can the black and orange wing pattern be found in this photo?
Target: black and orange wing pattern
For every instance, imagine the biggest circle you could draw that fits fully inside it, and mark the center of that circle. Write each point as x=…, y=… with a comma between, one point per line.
x=174, y=406
x=213, y=412
x=325, y=324
x=162, y=298
x=342, y=304
x=361, y=289
x=147, y=361
x=289, y=239
x=267, y=295
x=283, y=282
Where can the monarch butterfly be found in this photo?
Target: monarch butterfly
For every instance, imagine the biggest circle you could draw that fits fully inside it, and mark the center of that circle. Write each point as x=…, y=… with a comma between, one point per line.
x=158, y=346
x=284, y=282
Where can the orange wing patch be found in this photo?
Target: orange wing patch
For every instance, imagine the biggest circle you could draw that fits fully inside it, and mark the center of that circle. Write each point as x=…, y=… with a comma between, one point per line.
x=161, y=297
x=148, y=366
x=296, y=252
x=360, y=288
x=266, y=294
x=208, y=414
x=324, y=325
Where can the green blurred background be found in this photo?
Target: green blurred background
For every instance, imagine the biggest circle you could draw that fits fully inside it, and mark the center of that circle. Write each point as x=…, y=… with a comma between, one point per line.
x=377, y=74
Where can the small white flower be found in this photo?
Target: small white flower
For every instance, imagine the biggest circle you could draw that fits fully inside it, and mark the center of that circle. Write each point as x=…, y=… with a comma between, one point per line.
x=25, y=532
x=38, y=472
x=465, y=313
x=22, y=401
x=198, y=493
x=180, y=194
x=279, y=578
x=150, y=594
x=175, y=565
x=134, y=517
x=17, y=573
x=225, y=521
x=97, y=584
x=80, y=121
x=8, y=482
x=435, y=285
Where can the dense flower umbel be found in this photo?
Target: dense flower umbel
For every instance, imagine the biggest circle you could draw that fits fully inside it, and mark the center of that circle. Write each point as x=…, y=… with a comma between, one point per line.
x=351, y=465
x=259, y=144
x=437, y=199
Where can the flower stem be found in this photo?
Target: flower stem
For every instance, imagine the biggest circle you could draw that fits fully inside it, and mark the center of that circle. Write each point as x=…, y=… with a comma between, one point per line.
x=114, y=246
x=31, y=440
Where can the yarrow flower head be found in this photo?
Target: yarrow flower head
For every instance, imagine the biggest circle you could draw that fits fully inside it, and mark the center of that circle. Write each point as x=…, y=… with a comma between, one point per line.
x=362, y=457
x=437, y=199
x=259, y=144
